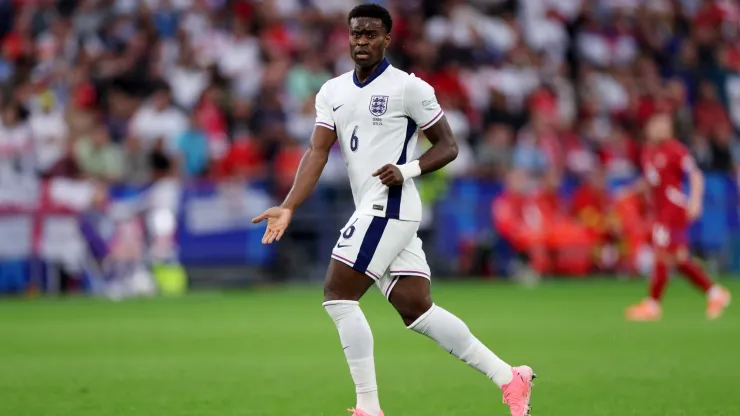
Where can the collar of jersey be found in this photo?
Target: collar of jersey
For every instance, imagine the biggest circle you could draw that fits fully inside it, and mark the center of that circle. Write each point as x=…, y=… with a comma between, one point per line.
x=384, y=64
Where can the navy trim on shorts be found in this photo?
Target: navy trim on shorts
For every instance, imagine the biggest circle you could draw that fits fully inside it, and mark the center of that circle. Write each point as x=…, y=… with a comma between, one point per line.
x=395, y=193
x=370, y=243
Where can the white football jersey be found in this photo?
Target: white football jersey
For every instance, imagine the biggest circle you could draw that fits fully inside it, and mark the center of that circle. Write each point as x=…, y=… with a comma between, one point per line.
x=378, y=122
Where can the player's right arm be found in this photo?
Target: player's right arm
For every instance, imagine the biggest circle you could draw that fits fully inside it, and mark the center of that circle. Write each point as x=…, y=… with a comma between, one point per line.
x=308, y=174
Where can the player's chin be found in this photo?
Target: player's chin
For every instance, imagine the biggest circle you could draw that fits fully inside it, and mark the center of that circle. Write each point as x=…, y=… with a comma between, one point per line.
x=363, y=59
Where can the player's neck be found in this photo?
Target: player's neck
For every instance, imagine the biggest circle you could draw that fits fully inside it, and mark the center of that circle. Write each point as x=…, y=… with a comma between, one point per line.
x=364, y=73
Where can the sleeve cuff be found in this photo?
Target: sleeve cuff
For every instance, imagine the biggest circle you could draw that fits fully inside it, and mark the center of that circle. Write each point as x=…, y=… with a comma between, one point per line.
x=434, y=119
x=327, y=125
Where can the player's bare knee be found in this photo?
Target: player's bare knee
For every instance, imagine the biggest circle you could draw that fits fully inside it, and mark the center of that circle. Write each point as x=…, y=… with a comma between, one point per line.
x=411, y=311
x=330, y=294
x=335, y=291
x=410, y=302
x=344, y=283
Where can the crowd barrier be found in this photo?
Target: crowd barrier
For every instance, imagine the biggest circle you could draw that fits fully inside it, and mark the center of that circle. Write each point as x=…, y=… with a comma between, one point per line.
x=214, y=228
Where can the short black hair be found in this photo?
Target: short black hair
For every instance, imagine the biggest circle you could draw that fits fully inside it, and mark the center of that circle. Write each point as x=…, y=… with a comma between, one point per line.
x=373, y=11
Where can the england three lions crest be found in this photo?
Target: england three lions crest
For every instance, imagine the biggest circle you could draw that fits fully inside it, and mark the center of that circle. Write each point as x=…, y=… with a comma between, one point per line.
x=378, y=105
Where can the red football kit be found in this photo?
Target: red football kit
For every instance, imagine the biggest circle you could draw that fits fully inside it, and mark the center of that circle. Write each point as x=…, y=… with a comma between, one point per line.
x=664, y=165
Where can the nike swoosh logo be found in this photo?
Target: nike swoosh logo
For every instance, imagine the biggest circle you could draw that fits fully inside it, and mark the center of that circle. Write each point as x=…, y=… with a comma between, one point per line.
x=343, y=246
x=336, y=108
x=345, y=347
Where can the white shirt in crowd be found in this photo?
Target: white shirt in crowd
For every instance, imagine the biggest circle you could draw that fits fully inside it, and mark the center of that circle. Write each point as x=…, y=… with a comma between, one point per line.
x=241, y=62
x=149, y=125
x=50, y=134
x=18, y=180
x=187, y=85
x=464, y=23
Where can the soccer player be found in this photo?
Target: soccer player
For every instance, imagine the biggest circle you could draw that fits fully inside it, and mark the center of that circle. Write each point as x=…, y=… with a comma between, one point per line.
x=376, y=111
x=664, y=162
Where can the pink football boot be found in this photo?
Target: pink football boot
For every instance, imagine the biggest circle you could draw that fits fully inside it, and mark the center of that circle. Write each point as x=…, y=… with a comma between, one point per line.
x=518, y=392
x=647, y=310
x=717, y=300
x=358, y=412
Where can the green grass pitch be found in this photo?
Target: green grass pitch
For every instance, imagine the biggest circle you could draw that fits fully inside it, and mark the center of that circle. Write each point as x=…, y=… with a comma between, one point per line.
x=276, y=352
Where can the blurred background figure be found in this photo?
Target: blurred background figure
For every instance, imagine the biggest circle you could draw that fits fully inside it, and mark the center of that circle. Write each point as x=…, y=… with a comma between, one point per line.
x=665, y=162
x=202, y=109
x=531, y=217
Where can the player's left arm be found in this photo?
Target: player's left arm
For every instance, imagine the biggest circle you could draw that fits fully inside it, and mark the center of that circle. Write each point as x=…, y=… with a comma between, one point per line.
x=422, y=107
x=696, y=185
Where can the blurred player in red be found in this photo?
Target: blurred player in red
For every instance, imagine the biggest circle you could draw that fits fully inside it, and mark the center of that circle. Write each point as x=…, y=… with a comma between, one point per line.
x=664, y=162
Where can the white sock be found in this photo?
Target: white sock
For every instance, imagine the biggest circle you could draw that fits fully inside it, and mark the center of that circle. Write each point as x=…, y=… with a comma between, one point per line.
x=357, y=341
x=454, y=336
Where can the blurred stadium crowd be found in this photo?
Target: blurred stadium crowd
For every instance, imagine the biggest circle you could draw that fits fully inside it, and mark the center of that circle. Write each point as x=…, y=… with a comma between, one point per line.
x=539, y=91
x=126, y=90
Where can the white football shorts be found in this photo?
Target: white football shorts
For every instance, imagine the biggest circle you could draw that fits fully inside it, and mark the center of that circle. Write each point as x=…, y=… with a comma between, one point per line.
x=382, y=248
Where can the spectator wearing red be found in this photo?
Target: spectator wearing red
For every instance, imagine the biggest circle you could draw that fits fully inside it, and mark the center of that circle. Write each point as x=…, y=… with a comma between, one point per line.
x=590, y=203
x=592, y=206
x=286, y=165
x=212, y=120
x=532, y=222
x=449, y=87
x=709, y=112
x=634, y=224
x=543, y=101
x=245, y=160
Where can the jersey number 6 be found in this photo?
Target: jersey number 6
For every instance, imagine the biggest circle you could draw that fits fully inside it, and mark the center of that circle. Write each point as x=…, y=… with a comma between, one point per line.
x=347, y=234
x=354, y=140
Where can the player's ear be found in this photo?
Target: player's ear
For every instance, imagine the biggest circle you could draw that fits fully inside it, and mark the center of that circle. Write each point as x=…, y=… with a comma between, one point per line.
x=387, y=40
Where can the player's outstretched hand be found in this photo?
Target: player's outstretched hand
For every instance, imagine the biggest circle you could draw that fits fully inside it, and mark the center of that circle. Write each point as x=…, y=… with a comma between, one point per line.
x=389, y=175
x=278, y=219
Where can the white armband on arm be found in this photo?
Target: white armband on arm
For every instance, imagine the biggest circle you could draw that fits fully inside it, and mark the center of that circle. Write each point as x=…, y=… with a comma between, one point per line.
x=410, y=170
